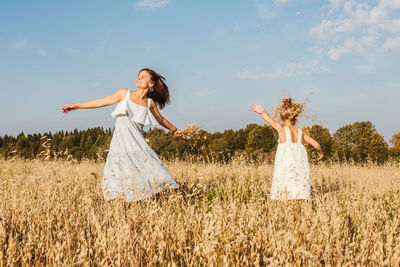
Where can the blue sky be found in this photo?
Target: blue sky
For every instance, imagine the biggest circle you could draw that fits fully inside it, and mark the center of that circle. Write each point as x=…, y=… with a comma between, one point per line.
x=218, y=58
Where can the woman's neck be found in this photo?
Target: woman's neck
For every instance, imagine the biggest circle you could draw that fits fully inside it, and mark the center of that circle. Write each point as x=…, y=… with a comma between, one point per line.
x=142, y=93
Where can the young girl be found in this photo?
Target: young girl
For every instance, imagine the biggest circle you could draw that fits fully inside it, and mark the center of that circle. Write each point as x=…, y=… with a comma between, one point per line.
x=291, y=178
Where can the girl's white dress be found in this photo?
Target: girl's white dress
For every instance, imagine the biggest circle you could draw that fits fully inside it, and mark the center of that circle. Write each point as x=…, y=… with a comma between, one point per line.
x=291, y=178
x=133, y=170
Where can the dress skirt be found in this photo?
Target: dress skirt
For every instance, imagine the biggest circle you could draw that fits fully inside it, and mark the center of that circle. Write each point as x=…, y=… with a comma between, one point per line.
x=133, y=171
x=291, y=177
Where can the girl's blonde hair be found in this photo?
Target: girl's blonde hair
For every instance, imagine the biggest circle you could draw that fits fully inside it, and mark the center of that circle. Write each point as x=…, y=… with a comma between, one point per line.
x=289, y=110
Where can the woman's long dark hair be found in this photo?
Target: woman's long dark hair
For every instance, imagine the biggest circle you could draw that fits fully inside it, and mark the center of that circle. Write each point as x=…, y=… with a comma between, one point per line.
x=160, y=92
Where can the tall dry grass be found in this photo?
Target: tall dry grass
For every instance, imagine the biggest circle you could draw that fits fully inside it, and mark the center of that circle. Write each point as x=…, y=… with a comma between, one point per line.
x=53, y=213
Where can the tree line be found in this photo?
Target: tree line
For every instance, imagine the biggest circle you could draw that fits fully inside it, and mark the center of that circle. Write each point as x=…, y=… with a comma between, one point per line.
x=358, y=143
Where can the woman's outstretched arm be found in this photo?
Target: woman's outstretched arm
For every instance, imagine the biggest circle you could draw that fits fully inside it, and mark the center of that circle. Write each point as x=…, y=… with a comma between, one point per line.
x=163, y=121
x=258, y=109
x=97, y=103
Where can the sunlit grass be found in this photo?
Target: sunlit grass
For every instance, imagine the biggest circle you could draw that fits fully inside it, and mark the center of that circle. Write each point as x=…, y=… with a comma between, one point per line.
x=53, y=212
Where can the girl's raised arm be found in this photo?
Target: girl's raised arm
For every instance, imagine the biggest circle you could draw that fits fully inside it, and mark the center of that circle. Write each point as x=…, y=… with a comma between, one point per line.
x=97, y=103
x=315, y=144
x=258, y=109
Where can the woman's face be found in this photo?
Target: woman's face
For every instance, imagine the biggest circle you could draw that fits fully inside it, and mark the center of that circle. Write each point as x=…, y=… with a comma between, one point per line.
x=143, y=80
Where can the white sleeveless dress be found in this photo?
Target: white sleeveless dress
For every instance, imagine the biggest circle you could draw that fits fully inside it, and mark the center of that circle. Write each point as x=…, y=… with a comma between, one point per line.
x=133, y=170
x=291, y=178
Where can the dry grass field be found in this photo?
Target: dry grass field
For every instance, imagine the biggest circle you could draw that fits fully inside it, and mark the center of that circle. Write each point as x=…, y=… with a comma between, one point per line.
x=53, y=213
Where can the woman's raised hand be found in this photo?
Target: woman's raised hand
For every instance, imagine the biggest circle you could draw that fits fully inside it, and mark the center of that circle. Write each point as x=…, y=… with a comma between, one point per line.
x=179, y=133
x=257, y=108
x=69, y=107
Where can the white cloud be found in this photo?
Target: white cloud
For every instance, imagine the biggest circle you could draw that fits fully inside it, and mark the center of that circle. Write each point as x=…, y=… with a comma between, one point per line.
x=26, y=44
x=198, y=76
x=281, y=2
x=365, y=69
x=218, y=33
x=22, y=43
x=316, y=49
x=152, y=4
x=42, y=52
x=268, y=8
x=290, y=70
x=360, y=45
x=334, y=5
x=202, y=93
x=392, y=44
x=359, y=26
x=249, y=75
x=305, y=68
x=275, y=74
x=237, y=28
x=95, y=84
x=265, y=10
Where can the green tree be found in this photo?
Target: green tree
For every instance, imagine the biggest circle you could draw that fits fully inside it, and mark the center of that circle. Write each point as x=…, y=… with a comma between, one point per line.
x=236, y=140
x=55, y=143
x=323, y=137
x=88, y=143
x=359, y=142
x=8, y=146
x=218, y=148
x=157, y=140
x=77, y=152
x=34, y=144
x=261, y=138
x=66, y=144
x=175, y=148
x=22, y=146
x=395, y=149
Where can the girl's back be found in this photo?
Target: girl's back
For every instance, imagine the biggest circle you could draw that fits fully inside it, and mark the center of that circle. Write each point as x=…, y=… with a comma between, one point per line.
x=294, y=134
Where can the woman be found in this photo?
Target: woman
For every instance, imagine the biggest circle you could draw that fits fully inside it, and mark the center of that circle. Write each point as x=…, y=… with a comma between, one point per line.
x=132, y=168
